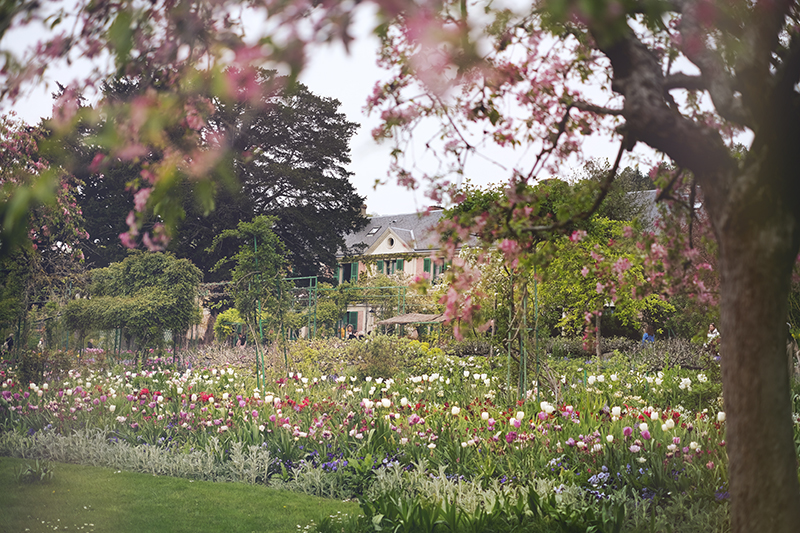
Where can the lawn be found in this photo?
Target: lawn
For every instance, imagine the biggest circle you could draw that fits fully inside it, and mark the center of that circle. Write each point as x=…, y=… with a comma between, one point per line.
x=85, y=498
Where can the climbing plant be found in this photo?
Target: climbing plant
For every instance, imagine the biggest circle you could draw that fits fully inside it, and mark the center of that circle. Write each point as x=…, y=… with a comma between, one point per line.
x=146, y=295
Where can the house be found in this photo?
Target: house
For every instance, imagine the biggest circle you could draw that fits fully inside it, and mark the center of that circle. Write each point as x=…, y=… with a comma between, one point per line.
x=394, y=244
x=405, y=245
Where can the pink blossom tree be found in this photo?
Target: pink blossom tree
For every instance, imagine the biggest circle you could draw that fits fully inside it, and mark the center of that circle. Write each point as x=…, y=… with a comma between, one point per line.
x=682, y=77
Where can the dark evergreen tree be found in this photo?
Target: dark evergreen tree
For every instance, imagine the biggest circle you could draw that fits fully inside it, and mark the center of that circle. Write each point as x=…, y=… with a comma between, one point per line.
x=291, y=149
x=288, y=161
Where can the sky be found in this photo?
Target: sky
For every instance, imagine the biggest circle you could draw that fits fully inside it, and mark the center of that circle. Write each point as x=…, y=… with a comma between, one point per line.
x=349, y=78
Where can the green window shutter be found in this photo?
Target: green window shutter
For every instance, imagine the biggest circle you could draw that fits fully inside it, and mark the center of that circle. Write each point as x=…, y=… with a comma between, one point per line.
x=426, y=264
x=338, y=273
x=399, y=265
x=354, y=271
x=380, y=267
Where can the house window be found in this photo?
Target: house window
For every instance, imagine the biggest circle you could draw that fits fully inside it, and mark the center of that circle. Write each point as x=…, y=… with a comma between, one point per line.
x=394, y=266
x=434, y=267
x=349, y=271
x=373, y=231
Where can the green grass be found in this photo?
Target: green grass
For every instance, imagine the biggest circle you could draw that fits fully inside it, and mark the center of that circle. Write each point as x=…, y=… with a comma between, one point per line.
x=85, y=498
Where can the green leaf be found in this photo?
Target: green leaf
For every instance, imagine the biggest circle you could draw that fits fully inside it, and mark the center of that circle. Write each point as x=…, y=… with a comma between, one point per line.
x=120, y=35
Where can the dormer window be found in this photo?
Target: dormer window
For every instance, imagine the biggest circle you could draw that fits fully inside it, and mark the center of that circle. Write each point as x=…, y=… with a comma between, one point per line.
x=373, y=231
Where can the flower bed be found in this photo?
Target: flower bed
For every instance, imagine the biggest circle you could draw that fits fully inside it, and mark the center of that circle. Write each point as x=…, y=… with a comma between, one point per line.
x=611, y=432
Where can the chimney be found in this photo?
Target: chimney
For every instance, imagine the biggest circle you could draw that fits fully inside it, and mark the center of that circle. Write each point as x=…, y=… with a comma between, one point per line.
x=363, y=210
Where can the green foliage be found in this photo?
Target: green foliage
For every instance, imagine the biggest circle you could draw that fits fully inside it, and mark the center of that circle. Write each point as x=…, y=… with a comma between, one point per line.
x=558, y=282
x=507, y=511
x=618, y=204
x=15, y=276
x=38, y=472
x=259, y=266
x=37, y=205
x=147, y=294
x=574, y=282
x=377, y=357
x=547, y=203
x=331, y=304
x=35, y=364
x=370, y=357
x=225, y=326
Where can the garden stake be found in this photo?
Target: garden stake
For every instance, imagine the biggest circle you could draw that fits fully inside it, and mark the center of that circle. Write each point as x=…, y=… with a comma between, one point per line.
x=523, y=341
x=508, y=357
x=536, y=332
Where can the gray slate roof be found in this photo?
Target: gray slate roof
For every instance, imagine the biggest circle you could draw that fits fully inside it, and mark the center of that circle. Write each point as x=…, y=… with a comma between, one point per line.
x=416, y=229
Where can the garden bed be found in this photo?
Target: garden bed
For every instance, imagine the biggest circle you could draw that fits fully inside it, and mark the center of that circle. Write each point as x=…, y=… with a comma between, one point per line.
x=609, y=444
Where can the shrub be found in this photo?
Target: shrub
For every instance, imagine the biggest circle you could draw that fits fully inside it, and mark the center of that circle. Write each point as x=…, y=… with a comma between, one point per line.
x=469, y=347
x=378, y=356
x=225, y=326
x=666, y=353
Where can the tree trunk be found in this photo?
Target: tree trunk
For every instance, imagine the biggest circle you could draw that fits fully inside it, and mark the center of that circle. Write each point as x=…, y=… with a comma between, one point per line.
x=757, y=239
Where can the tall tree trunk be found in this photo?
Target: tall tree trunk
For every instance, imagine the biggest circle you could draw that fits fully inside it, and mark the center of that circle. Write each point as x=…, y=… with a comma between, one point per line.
x=757, y=238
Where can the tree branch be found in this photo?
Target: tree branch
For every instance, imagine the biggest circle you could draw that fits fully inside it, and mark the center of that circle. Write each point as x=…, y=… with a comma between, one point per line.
x=719, y=84
x=760, y=40
x=591, y=108
x=680, y=80
x=788, y=74
x=605, y=187
x=638, y=76
x=562, y=127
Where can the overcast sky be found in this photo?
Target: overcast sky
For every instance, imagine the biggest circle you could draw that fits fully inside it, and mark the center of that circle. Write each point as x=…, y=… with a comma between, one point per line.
x=348, y=78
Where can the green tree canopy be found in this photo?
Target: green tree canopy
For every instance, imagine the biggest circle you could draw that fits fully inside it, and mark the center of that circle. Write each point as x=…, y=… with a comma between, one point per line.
x=257, y=268
x=288, y=155
x=146, y=294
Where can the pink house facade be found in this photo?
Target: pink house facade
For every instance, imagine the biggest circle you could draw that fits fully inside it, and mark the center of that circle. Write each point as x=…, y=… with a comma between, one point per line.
x=402, y=246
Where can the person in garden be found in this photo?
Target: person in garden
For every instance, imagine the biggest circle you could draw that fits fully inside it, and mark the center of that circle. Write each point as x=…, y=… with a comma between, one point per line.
x=713, y=333
x=242, y=342
x=351, y=334
x=648, y=335
x=8, y=345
